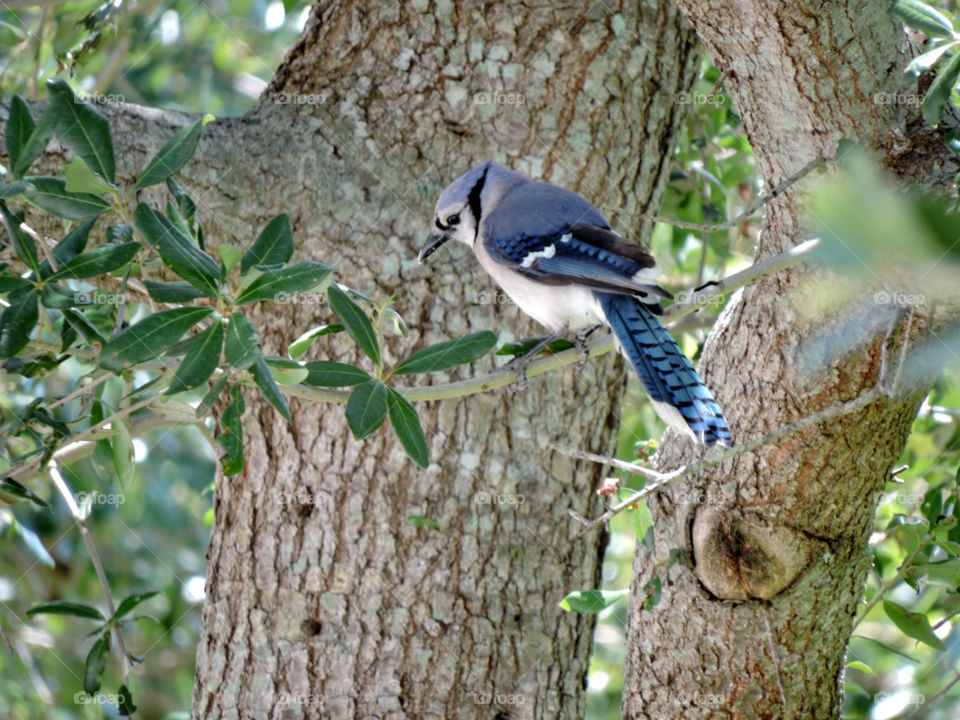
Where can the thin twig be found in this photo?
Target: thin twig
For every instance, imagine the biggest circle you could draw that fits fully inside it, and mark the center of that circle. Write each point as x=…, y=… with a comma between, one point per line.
x=933, y=698
x=746, y=214
x=497, y=379
x=892, y=581
x=64, y=490
x=720, y=456
x=82, y=390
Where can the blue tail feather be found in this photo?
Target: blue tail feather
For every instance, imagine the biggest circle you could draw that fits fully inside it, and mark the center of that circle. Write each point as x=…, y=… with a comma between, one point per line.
x=664, y=370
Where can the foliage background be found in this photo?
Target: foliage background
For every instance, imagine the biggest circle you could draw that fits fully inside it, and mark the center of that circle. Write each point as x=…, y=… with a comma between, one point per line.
x=216, y=57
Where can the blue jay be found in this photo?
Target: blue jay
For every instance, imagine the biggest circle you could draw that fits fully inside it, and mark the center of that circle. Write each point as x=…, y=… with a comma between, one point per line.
x=556, y=256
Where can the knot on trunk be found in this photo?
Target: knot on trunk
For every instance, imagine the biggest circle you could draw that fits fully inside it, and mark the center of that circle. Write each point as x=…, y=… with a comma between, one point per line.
x=740, y=557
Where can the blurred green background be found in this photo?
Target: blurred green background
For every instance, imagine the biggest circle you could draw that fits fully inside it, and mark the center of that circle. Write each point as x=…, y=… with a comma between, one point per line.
x=216, y=57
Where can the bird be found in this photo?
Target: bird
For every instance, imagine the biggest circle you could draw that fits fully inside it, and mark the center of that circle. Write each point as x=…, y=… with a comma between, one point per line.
x=555, y=255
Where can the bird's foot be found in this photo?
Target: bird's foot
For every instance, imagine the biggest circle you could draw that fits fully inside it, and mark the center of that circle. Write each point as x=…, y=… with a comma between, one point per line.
x=580, y=342
x=521, y=384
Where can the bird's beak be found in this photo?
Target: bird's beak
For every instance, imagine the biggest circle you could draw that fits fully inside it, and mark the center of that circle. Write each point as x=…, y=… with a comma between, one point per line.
x=433, y=242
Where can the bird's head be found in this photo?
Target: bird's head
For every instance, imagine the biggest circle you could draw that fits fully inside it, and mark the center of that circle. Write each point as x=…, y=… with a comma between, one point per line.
x=458, y=211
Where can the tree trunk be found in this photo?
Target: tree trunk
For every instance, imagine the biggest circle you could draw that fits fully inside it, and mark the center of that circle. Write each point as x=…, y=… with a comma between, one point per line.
x=755, y=622
x=322, y=599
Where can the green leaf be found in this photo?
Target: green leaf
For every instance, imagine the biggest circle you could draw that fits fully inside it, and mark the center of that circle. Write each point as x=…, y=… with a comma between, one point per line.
x=927, y=60
x=939, y=93
x=131, y=601
x=178, y=251
x=125, y=706
x=50, y=194
x=59, y=297
x=445, y=355
x=172, y=156
x=652, y=591
x=269, y=388
x=18, y=321
x=286, y=372
x=121, y=447
x=23, y=244
x=274, y=246
x=150, y=337
x=96, y=664
x=200, y=362
x=367, y=408
x=82, y=129
x=172, y=292
x=242, y=345
x=8, y=190
x=406, y=424
x=98, y=261
x=921, y=16
x=20, y=126
x=81, y=179
x=12, y=492
x=12, y=283
x=299, y=346
x=32, y=145
x=65, y=607
x=589, y=602
x=81, y=324
x=230, y=437
x=356, y=322
x=33, y=542
x=212, y=395
x=74, y=243
x=188, y=208
x=278, y=285
x=229, y=257
x=888, y=648
x=121, y=232
x=643, y=524
x=327, y=373
x=421, y=521
x=523, y=346
x=915, y=625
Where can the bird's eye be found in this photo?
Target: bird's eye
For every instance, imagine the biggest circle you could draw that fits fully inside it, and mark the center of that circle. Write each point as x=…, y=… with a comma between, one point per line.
x=453, y=219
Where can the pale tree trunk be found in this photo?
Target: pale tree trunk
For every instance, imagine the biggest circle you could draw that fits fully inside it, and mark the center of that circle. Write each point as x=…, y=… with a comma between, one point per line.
x=755, y=620
x=331, y=604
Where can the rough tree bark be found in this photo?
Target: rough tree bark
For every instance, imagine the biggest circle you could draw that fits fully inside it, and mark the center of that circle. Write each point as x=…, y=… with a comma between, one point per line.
x=755, y=624
x=322, y=600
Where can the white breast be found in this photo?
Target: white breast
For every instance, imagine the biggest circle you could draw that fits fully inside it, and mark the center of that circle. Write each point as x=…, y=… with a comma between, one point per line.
x=553, y=306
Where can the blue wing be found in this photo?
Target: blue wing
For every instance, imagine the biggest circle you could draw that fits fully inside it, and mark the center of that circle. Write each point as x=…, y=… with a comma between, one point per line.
x=554, y=236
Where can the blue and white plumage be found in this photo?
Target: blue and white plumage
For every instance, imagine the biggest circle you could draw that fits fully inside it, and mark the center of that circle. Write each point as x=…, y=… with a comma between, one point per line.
x=556, y=256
